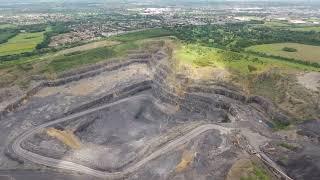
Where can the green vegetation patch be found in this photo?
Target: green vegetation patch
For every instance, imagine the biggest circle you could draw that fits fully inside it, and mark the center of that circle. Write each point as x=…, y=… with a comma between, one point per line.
x=257, y=174
x=21, y=43
x=239, y=63
x=277, y=125
x=306, y=28
x=79, y=58
x=276, y=24
x=145, y=34
x=53, y=30
x=6, y=34
x=288, y=146
x=254, y=170
x=7, y=26
x=289, y=50
x=238, y=36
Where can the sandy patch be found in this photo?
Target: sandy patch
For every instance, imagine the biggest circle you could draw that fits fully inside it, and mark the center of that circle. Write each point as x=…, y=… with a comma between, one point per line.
x=310, y=80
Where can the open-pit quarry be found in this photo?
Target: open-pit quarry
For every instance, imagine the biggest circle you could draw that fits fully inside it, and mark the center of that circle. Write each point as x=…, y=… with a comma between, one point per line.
x=136, y=118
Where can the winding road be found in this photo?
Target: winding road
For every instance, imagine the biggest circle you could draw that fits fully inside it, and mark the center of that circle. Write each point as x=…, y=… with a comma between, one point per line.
x=51, y=162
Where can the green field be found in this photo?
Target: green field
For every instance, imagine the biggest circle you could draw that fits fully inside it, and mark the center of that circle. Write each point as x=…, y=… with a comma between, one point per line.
x=292, y=27
x=145, y=34
x=276, y=24
x=304, y=52
x=5, y=26
x=306, y=28
x=6, y=35
x=79, y=58
x=23, y=42
x=198, y=55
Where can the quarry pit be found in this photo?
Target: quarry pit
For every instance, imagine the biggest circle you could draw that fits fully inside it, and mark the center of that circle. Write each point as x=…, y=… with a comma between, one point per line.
x=136, y=118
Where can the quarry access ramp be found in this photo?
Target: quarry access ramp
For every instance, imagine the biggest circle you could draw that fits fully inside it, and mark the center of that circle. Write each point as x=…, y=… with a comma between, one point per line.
x=36, y=158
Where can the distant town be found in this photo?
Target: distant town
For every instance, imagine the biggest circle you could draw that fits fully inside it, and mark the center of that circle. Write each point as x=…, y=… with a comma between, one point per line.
x=89, y=24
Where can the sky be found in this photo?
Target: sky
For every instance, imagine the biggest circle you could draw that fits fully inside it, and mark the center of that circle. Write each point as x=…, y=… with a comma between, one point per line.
x=28, y=1
x=149, y=0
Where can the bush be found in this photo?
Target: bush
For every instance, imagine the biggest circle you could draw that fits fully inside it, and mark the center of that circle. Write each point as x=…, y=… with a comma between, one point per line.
x=288, y=49
x=251, y=68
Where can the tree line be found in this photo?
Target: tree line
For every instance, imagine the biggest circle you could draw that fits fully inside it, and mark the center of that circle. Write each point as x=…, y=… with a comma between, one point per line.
x=237, y=36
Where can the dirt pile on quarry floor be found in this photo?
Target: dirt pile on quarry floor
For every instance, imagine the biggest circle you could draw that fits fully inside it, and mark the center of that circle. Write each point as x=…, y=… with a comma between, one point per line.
x=310, y=80
x=67, y=137
x=136, y=120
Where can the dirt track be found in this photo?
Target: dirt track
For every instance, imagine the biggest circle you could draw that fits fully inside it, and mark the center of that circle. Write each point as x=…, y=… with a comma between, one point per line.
x=80, y=168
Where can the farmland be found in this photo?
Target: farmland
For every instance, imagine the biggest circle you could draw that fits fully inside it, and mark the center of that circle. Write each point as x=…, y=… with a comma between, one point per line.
x=304, y=52
x=23, y=42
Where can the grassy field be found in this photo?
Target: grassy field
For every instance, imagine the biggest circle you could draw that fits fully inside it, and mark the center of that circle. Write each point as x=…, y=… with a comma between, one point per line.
x=88, y=47
x=307, y=28
x=73, y=60
x=6, y=35
x=198, y=55
x=5, y=26
x=289, y=26
x=276, y=24
x=23, y=42
x=145, y=34
x=304, y=52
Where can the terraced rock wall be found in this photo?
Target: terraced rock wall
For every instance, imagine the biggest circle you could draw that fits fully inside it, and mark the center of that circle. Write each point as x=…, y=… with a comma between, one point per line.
x=182, y=93
x=68, y=77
